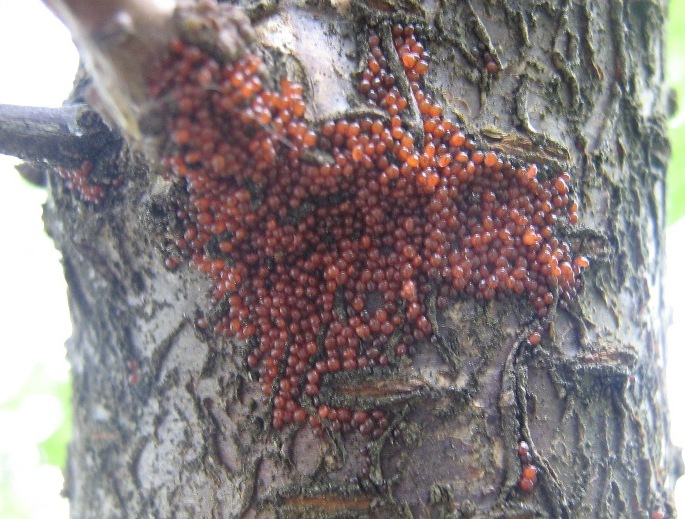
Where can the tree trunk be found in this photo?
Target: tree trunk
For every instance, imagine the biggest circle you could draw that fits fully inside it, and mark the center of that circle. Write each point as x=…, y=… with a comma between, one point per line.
x=170, y=422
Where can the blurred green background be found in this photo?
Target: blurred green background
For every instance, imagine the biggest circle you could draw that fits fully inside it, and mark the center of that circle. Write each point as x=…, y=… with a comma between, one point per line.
x=676, y=79
x=34, y=387
x=38, y=63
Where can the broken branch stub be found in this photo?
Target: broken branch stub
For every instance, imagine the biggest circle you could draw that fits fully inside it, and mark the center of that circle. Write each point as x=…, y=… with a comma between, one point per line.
x=120, y=41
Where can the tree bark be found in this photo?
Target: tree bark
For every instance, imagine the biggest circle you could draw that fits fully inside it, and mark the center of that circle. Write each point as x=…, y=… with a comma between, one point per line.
x=168, y=420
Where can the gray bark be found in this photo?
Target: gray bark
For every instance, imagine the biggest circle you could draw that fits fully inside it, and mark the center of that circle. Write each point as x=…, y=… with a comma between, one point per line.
x=168, y=422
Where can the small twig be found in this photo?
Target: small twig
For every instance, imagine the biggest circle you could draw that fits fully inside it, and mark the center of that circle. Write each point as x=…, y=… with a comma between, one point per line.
x=63, y=136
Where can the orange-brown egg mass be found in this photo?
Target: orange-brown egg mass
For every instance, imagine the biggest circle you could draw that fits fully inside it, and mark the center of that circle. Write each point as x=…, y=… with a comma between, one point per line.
x=327, y=263
x=78, y=180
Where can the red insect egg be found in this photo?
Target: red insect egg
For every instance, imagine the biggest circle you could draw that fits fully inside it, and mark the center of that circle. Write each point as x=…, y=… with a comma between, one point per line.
x=491, y=67
x=581, y=261
x=529, y=472
x=535, y=338
x=526, y=485
x=490, y=159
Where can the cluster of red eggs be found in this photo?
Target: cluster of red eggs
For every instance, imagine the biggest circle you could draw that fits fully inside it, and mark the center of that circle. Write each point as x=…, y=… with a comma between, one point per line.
x=324, y=242
x=78, y=180
x=529, y=472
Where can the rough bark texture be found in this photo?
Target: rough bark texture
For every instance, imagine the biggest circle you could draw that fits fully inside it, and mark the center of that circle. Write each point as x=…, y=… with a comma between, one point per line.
x=168, y=423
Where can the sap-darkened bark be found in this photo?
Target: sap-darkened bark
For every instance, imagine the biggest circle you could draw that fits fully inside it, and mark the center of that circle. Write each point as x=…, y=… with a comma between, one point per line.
x=168, y=422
